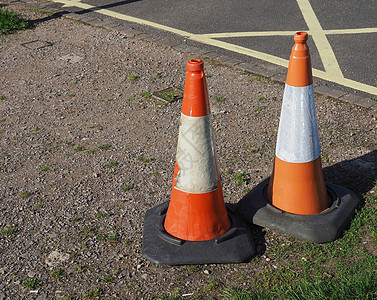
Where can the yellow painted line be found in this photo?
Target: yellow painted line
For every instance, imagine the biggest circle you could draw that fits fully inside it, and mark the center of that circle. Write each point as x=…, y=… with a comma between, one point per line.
x=351, y=31
x=284, y=63
x=246, y=34
x=208, y=39
x=69, y=3
x=328, y=58
x=218, y=35
x=241, y=50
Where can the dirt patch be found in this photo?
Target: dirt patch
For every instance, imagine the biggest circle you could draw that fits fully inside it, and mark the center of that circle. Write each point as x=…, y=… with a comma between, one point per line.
x=85, y=151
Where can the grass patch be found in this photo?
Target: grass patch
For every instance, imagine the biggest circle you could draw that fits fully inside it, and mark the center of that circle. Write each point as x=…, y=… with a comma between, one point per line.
x=127, y=187
x=219, y=99
x=92, y=293
x=24, y=195
x=144, y=159
x=10, y=21
x=240, y=178
x=111, y=164
x=42, y=169
x=133, y=77
x=31, y=283
x=57, y=273
x=343, y=269
x=8, y=231
x=105, y=147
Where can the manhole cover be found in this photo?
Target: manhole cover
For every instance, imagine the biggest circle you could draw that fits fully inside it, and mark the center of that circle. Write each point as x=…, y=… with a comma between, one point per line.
x=169, y=95
x=37, y=44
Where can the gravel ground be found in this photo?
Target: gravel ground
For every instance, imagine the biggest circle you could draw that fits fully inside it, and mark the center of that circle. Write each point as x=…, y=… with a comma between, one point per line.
x=84, y=153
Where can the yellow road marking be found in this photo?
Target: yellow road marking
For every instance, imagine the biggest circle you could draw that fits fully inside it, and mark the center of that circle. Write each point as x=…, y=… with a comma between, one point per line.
x=218, y=35
x=332, y=74
x=113, y=14
x=328, y=58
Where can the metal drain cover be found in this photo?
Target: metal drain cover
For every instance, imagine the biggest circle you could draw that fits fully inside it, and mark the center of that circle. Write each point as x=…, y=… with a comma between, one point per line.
x=37, y=44
x=169, y=95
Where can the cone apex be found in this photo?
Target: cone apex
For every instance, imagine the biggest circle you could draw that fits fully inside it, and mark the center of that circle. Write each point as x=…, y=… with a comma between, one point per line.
x=195, y=65
x=301, y=37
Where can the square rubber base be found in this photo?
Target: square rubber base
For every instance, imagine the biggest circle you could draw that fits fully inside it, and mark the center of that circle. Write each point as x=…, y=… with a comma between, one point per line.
x=324, y=227
x=160, y=247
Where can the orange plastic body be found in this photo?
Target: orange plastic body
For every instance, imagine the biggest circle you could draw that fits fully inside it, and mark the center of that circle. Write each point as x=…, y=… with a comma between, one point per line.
x=300, y=68
x=190, y=216
x=298, y=188
x=197, y=217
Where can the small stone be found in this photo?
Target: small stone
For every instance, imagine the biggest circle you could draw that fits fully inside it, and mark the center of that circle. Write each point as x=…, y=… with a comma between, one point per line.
x=31, y=274
x=206, y=272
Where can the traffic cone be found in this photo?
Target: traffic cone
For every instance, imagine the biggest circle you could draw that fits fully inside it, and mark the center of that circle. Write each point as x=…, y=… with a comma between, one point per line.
x=296, y=200
x=196, y=226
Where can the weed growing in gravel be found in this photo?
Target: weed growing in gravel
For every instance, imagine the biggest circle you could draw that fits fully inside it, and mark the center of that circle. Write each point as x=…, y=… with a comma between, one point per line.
x=112, y=238
x=240, y=177
x=79, y=148
x=192, y=268
x=2, y=120
x=219, y=99
x=8, y=231
x=99, y=127
x=42, y=169
x=259, y=108
x=10, y=21
x=158, y=75
x=105, y=147
x=111, y=164
x=130, y=99
x=127, y=187
x=374, y=98
x=107, y=278
x=31, y=283
x=144, y=159
x=213, y=285
x=101, y=215
x=24, y=195
x=100, y=237
x=262, y=98
x=70, y=143
x=57, y=273
x=2, y=97
x=80, y=268
x=71, y=95
x=146, y=94
x=133, y=77
x=74, y=219
x=92, y=293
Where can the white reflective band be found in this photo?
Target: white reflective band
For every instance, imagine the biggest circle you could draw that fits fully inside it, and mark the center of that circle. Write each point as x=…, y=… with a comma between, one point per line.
x=196, y=156
x=297, y=140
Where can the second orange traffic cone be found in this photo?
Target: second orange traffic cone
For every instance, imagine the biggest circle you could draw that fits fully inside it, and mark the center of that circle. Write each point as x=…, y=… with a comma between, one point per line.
x=196, y=226
x=297, y=168
x=296, y=200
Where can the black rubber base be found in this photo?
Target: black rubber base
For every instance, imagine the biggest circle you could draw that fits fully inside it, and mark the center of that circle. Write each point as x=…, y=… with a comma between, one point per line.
x=160, y=247
x=324, y=227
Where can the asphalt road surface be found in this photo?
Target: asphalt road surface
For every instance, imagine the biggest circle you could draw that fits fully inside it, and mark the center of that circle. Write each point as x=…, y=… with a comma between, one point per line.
x=342, y=34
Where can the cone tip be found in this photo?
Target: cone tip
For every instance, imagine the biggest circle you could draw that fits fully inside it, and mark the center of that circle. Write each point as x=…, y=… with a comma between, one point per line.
x=195, y=65
x=301, y=37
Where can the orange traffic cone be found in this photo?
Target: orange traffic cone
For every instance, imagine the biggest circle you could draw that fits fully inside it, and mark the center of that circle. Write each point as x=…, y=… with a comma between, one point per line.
x=297, y=169
x=196, y=226
x=297, y=200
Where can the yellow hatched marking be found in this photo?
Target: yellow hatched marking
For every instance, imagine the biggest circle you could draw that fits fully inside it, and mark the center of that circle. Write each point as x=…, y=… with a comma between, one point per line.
x=324, y=48
x=332, y=73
